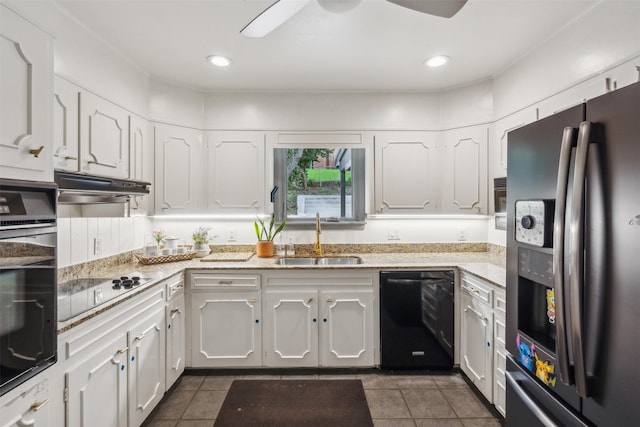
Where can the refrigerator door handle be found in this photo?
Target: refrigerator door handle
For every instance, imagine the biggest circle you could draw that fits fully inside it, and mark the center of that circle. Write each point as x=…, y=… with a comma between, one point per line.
x=513, y=379
x=568, y=141
x=576, y=257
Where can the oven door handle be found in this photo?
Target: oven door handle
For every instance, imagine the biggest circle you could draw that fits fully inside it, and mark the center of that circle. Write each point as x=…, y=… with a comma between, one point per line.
x=514, y=378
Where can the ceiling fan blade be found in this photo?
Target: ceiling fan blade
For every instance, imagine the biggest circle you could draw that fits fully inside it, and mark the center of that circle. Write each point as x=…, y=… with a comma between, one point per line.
x=442, y=8
x=272, y=17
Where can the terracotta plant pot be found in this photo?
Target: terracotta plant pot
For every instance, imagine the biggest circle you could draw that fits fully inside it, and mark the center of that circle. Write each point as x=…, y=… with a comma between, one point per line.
x=264, y=248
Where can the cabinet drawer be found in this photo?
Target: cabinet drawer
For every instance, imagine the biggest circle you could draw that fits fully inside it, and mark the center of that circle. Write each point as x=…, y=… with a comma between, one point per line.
x=225, y=281
x=476, y=289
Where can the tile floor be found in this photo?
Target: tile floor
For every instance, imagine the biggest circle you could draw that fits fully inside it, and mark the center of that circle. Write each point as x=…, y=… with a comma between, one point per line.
x=394, y=400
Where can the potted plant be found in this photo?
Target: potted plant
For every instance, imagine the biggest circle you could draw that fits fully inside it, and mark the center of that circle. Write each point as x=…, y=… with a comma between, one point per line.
x=201, y=242
x=265, y=235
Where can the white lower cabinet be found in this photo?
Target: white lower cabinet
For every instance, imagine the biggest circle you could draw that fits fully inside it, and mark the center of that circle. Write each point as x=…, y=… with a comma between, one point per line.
x=146, y=366
x=291, y=329
x=318, y=319
x=482, y=337
x=225, y=320
x=96, y=389
x=114, y=363
x=28, y=404
x=500, y=353
x=176, y=316
x=476, y=350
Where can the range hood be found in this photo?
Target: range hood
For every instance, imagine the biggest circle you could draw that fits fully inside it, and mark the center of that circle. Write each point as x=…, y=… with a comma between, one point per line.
x=77, y=188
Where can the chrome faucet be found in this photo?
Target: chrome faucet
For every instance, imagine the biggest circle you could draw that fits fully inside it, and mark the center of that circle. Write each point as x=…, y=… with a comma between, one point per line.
x=317, y=245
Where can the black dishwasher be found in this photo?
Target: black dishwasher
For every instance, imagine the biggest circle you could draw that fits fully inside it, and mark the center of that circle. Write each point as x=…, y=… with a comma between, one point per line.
x=416, y=319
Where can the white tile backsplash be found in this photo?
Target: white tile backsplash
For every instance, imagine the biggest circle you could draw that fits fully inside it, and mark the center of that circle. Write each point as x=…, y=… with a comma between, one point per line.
x=76, y=237
x=79, y=240
x=64, y=242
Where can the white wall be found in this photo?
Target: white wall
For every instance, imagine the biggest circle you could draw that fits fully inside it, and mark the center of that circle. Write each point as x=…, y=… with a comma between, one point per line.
x=175, y=105
x=604, y=36
x=321, y=111
x=83, y=58
x=414, y=230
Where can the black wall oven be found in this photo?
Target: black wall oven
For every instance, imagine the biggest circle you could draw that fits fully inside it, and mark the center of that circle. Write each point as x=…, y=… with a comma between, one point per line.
x=28, y=321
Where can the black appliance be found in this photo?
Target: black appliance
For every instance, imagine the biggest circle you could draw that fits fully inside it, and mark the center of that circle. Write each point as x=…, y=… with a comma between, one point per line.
x=80, y=295
x=77, y=188
x=416, y=319
x=573, y=245
x=28, y=324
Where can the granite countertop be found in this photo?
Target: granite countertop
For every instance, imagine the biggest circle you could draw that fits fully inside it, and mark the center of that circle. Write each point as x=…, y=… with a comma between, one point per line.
x=488, y=266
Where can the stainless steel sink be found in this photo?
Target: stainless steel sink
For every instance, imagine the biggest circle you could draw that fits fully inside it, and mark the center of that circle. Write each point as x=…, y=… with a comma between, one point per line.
x=301, y=261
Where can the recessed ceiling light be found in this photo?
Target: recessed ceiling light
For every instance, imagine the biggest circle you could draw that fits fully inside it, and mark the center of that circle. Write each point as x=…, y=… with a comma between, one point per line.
x=219, y=61
x=436, y=61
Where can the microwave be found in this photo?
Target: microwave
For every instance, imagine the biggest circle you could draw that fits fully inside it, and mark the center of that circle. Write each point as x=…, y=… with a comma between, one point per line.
x=500, y=202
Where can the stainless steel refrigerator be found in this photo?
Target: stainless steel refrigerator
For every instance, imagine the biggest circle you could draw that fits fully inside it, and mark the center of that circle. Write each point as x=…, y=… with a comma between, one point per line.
x=573, y=266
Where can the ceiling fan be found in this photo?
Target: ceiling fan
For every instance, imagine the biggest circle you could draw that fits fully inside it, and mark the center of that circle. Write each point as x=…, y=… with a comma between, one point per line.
x=281, y=10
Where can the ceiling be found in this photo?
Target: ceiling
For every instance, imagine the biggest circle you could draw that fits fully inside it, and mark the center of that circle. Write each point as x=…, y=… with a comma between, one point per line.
x=377, y=46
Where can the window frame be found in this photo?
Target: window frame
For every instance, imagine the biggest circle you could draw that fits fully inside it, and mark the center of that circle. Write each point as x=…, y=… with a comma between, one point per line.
x=358, y=177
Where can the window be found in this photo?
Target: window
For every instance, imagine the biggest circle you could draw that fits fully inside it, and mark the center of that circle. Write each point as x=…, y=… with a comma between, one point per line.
x=328, y=181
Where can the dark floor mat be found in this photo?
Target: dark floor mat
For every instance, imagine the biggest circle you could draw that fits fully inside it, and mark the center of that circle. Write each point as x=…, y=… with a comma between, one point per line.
x=285, y=403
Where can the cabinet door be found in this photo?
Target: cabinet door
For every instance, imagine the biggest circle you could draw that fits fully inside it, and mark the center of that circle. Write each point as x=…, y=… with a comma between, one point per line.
x=97, y=388
x=178, y=171
x=146, y=366
x=29, y=408
x=346, y=328
x=176, y=317
x=104, y=137
x=26, y=84
x=235, y=172
x=499, y=140
x=66, y=133
x=140, y=155
x=500, y=366
x=406, y=178
x=291, y=329
x=464, y=170
x=476, y=346
x=225, y=328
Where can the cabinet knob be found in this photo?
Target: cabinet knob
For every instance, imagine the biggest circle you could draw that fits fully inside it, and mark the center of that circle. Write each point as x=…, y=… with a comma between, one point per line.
x=36, y=151
x=309, y=301
x=174, y=311
x=37, y=405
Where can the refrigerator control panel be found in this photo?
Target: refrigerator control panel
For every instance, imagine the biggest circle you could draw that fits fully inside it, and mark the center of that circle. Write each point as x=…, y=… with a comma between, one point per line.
x=534, y=222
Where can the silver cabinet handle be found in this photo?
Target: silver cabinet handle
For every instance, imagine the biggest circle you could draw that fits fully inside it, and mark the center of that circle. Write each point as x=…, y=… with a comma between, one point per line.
x=225, y=282
x=138, y=338
x=568, y=138
x=37, y=405
x=576, y=257
x=329, y=300
x=174, y=311
x=309, y=301
x=70, y=158
x=252, y=300
x=512, y=379
x=123, y=350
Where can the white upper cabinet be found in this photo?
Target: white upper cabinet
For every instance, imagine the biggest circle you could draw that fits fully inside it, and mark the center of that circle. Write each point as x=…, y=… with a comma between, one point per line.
x=26, y=87
x=178, y=170
x=66, y=104
x=499, y=138
x=104, y=137
x=235, y=172
x=464, y=170
x=406, y=172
